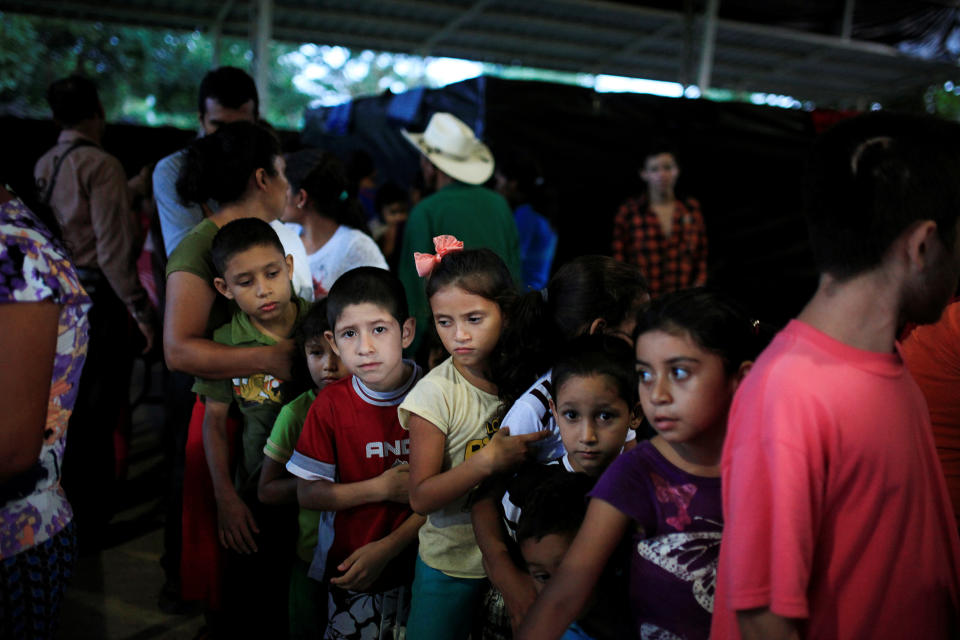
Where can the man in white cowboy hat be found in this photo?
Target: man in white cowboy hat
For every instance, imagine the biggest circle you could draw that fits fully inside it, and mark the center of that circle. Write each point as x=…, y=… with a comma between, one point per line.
x=461, y=206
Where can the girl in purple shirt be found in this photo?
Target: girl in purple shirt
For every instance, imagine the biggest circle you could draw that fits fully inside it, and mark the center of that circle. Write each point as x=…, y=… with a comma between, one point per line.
x=693, y=348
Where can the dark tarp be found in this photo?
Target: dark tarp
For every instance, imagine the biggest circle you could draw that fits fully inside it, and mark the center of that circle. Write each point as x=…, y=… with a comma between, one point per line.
x=743, y=162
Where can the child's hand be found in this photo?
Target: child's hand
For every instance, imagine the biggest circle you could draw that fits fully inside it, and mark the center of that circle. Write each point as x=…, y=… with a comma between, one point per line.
x=236, y=525
x=518, y=595
x=504, y=451
x=363, y=566
x=395, y=484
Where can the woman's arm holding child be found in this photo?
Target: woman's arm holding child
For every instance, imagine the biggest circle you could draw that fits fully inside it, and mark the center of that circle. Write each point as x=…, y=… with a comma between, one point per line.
x=365, y=565
x=276, y=486
x=186, y=347
x=432, y=488
x=390, y=486
x=234, y=520
x=568, y=591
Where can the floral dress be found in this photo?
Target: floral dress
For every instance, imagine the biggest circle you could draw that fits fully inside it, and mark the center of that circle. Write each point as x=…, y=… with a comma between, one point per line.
x=34, y=267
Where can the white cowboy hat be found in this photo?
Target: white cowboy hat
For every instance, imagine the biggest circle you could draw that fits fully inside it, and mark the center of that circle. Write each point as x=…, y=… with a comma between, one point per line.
x=453, y=148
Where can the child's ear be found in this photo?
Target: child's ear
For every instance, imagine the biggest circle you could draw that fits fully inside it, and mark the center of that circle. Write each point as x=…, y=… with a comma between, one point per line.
x=221, y=286
x=741, y=373
x=918, y=243
x=408, y=331
x=636, y=416
x=328, y=336
x=260, y=177
x=553, y=410
x=597, y=326
x=300, y=199
x=289, y=260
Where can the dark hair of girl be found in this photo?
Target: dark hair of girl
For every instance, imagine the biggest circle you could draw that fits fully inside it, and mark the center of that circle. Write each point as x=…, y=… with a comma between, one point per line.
x=716, y=322
x=477, y=271
x=584, y=289
x=598, y=355
x=219, y=166
x=312, y=326
x=324, y=178
x=556, y=504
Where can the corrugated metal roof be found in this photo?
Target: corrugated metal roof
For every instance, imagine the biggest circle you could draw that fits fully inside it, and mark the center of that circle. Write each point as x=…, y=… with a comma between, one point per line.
x=591, y=36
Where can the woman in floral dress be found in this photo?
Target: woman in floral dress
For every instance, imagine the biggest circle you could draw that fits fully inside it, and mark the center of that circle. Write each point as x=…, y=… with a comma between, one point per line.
x=43, y=343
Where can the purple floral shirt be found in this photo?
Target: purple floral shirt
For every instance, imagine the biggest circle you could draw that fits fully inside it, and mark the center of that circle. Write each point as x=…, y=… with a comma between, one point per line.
x=678, y=523
x=34, y=267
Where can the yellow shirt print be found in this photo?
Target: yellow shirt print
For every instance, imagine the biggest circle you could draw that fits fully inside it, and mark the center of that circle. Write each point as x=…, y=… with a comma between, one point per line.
x=475, y=445
x=257, y=389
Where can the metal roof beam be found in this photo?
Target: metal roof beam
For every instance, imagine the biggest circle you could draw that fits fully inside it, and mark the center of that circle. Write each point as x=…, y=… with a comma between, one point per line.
x=474, y=10
x=262, y=34
x=216, y=31
x=814, y=39
x=709, y=42
x=639, y=44
x=846, y=29
x=122, y=14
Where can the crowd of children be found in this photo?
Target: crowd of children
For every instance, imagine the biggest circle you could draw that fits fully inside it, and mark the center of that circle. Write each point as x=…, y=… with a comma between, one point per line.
x=373, y=442
x=556, y=474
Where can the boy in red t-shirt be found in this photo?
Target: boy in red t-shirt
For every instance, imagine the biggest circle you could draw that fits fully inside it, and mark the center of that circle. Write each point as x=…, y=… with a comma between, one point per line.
x=352, y=454
x=838, y=523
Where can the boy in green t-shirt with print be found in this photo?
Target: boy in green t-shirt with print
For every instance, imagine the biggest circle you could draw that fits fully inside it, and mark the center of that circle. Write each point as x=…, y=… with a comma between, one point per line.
x=256, y=274
x=308, y=597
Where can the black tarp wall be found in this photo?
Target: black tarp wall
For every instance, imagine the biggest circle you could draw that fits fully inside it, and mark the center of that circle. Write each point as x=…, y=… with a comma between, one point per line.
x=743, y=162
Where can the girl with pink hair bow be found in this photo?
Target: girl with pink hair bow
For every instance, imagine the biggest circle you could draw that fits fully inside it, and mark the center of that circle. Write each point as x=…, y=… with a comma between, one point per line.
x=453, y=418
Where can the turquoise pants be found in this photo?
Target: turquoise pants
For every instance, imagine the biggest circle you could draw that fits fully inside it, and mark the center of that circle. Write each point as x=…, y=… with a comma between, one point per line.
x=443, y=607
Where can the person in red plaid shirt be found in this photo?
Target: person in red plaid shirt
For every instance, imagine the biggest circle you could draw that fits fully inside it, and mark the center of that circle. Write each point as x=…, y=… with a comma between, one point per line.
x=664, y=236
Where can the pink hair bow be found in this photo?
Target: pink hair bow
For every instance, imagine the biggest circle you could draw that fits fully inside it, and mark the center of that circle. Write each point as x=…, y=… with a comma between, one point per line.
x=427, y=261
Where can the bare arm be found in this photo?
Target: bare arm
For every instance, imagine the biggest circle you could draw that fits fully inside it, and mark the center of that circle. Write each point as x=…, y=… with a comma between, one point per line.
x=28, y=344
x=234, y=520
x=568, y=591
x=763, y=624
x=432, y=488
x=366, y=564
x=276, y=485
x=513, y=582
x=186, y=347
x=324, y=495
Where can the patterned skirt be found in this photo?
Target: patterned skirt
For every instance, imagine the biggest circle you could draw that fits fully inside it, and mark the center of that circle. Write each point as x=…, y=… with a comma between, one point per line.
x=32, y=583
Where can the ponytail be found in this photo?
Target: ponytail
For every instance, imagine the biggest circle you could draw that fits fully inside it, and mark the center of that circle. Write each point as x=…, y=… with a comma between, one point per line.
x=527, y=342
x=324, y=178
x=584, y=289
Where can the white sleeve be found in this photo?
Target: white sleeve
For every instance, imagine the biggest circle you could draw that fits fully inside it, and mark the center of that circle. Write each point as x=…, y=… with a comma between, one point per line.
x=293, y=245
x=522, y=418
x=364, y=252
x=527, y=415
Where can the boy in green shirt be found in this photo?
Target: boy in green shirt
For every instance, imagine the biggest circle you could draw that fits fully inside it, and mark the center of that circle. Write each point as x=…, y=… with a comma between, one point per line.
x=256, y=275
x=308, y=597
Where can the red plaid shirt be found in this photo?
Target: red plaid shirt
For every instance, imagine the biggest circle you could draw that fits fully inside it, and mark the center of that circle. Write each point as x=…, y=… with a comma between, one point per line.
x=669, y=263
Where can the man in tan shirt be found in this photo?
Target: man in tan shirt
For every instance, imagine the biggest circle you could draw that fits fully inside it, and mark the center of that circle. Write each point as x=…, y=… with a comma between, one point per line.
x=87, y=189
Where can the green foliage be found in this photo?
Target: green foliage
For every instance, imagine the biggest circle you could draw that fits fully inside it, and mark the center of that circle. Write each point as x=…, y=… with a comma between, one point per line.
x=145, y=76
x=944, y=100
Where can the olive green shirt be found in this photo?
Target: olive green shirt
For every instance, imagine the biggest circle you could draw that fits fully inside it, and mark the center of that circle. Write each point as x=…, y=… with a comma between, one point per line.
x=259, y=397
